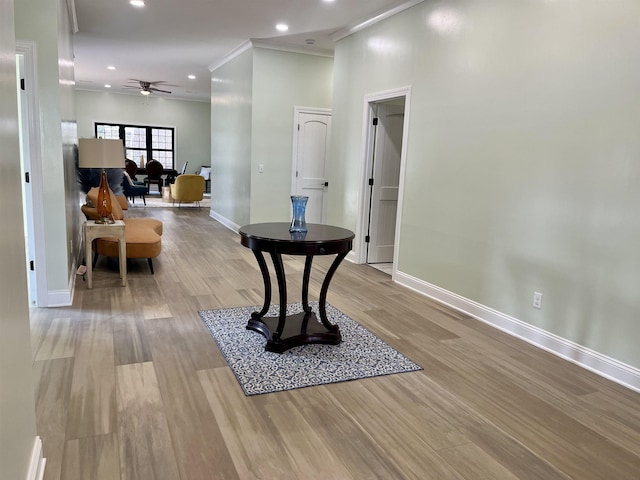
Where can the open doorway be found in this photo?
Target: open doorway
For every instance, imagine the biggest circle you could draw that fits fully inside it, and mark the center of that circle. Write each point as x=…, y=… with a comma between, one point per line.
x=384, y=163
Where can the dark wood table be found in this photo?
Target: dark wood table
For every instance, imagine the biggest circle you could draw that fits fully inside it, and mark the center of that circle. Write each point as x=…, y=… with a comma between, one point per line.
x=169, y=172
x=283, y=332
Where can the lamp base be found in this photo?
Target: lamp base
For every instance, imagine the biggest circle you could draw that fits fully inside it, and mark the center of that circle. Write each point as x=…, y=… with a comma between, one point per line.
x=104, y=200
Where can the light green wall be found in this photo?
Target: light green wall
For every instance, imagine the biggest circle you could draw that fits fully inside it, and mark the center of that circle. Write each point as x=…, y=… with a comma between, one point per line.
x=17, y=405
x=281, y=81
x=191, y=120
x=522, y=167
x=252, y=105
x=231, y=139
x=34, y=23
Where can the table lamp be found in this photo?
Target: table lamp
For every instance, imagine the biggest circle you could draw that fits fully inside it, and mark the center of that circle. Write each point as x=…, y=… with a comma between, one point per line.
x=101, y=153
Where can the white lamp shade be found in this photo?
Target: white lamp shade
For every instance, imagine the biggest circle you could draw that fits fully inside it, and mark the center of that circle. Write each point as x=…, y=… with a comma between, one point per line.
x=100, y=153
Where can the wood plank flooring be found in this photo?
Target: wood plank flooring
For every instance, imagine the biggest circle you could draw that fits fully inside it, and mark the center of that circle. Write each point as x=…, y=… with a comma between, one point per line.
x=131, y=386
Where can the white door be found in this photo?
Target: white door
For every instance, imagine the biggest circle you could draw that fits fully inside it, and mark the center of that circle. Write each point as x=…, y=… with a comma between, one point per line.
x=311, y=141
x=386, y=180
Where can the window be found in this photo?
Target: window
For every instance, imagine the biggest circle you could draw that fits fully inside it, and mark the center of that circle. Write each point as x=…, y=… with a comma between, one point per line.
x=155, y=143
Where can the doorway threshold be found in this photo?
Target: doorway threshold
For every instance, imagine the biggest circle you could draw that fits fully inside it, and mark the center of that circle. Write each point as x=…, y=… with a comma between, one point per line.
x=383, y=267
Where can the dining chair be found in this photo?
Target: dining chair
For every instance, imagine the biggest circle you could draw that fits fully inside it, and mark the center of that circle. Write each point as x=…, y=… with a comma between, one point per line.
x=154, y=175
x=205, y=171
x=131, y=168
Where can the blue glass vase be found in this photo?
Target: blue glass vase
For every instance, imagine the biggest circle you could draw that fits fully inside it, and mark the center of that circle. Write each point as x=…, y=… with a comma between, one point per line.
x=299, y=204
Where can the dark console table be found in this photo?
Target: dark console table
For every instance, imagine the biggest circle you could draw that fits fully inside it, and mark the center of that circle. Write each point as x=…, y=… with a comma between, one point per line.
x=284, y=332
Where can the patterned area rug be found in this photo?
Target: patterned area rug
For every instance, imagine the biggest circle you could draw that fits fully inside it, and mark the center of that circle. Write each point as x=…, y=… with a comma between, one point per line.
x=360, y=355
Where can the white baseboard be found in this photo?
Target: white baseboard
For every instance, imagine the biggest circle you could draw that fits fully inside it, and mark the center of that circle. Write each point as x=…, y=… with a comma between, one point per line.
x=607, y=367
x=224, y=221
x=37, y=463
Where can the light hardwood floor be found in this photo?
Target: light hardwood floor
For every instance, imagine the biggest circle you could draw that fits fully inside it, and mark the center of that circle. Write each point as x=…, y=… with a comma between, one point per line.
x=130, y=385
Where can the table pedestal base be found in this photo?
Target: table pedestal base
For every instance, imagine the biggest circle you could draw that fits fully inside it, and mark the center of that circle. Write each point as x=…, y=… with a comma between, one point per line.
x=283, y=332
x=299, y=329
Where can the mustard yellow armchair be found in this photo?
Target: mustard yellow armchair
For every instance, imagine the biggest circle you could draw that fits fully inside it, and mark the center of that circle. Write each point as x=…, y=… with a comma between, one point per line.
x=188, y=188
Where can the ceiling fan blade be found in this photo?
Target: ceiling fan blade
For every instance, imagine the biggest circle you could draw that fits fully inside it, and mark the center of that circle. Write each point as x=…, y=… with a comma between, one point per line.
x=158, y=90
x=149, y=86
x=162, y=83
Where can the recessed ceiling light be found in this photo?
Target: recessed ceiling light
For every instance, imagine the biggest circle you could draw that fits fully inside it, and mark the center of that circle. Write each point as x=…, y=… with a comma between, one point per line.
x=192, y=77
x=282, y=27
x=111, y=67
x=137, y=3
x=106, y=85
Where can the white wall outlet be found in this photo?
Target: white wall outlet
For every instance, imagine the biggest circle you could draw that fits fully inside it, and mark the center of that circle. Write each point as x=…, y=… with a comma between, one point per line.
x=537, y=300
x=261, y=168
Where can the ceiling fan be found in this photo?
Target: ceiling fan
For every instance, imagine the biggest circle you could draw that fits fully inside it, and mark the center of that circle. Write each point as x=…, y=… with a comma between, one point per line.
x=147, y=87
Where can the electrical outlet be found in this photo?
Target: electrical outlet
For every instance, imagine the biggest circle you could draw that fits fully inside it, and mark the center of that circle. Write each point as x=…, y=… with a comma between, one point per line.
x=261, y=168
x=537, y=300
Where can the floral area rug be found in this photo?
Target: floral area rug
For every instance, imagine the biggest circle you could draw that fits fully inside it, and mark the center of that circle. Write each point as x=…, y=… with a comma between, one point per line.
x=361, y=354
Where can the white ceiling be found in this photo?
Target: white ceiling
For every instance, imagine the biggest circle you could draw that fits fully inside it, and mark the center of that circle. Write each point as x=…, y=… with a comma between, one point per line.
x=170, y=39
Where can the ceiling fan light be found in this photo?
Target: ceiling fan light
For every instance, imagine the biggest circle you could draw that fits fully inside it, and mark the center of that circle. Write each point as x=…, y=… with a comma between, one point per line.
x=145, y=92
x=137, y=3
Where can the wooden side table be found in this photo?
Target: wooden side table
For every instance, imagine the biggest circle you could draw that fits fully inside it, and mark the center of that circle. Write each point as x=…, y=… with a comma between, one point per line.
x=93, y=230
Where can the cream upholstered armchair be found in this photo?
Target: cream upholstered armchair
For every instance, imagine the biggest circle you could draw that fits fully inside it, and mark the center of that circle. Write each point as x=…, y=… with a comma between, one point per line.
x=188, y=188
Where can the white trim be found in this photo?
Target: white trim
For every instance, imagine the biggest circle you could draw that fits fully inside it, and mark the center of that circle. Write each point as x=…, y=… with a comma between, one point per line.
x=29, y=51
x=239, y=50
x=59, y=298
x=598, y=363
x=224, y=221
x=365, y=167
x=73, y=18
x=345, y=32
x=37, y=463
x=73, y=275
x=319, y=52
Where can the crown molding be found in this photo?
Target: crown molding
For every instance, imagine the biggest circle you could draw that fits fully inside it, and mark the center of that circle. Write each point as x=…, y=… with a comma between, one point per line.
x=239, y=50
x=345, y=32
x=321, y=52
x=256, y=43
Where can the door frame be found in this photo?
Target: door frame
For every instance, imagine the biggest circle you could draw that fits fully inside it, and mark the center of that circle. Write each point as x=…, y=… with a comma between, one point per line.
x=28, y=50
x=294, y=154
x=368, y=137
